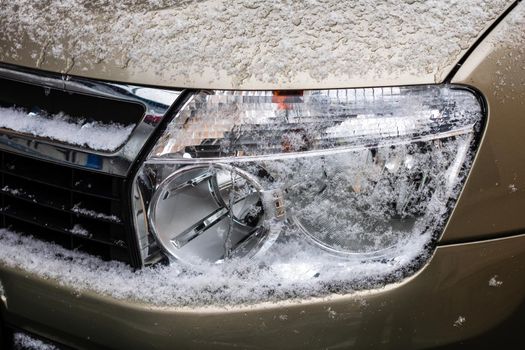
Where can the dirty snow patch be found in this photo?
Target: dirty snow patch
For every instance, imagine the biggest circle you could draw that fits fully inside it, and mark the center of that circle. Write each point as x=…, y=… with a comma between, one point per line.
x=60, y=127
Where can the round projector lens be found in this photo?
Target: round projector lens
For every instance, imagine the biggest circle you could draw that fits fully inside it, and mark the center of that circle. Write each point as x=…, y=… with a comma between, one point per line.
x=209, y=213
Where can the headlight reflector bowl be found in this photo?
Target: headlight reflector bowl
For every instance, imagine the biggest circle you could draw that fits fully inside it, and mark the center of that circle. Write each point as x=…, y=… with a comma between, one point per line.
x=209, y=213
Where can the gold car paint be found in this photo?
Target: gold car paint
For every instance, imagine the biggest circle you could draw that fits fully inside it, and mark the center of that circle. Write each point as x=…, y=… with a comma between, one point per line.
x=115, y=64
x=493, y=200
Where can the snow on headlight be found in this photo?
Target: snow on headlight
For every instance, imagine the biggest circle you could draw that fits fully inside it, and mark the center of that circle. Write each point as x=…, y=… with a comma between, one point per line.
x=335, y=179
x=353, y=171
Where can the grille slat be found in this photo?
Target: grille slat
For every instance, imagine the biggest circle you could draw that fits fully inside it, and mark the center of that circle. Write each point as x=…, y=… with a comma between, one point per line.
x=75, y=208
x=76, y=189
x=26, y=217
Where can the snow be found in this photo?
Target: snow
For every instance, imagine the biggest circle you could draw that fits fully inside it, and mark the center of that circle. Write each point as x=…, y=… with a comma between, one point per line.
x=77, y=208
x=356, y=171
x=494, y=282
x=376, y=210
x=23, y=341
x=60, y=127
x=13, y=191
x=460, y=321
x=240, y=281
x=352, y=214
x=185, y=41
x=331, y=313
x=78, y=230
x=509, y=38
x=208, y=44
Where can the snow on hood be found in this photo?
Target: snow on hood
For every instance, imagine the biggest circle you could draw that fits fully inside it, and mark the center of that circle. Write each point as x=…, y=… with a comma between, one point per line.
x=248, y=44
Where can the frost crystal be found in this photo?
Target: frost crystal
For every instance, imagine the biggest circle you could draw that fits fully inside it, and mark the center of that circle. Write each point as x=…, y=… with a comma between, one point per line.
x=60, y=127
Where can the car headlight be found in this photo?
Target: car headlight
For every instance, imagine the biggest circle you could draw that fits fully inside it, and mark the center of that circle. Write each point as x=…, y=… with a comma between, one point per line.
x=350, y=174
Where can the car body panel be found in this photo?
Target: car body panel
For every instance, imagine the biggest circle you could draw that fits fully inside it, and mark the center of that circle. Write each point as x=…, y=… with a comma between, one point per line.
x=208, y=45
x=493, y=199
x=451, y=299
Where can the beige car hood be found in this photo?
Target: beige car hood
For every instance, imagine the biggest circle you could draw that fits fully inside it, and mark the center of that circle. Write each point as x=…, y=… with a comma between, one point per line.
x=246, y=44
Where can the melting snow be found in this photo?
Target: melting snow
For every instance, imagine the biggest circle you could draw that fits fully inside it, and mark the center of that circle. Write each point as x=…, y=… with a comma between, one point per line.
x=246, y=43
x=60, y=127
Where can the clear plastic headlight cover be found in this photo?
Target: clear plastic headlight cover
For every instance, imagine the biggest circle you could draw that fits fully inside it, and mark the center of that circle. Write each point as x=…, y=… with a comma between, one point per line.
x=308, y=180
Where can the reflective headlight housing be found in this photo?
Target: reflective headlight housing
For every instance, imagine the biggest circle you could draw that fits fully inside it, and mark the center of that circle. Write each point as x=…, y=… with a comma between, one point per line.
x=348, y=175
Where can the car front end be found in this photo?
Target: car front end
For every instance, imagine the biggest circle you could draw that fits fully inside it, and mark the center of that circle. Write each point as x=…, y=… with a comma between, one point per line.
x=320, y=179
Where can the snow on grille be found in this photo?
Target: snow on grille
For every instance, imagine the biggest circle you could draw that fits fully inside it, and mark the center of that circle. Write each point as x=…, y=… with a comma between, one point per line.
x=60, y=127
x=23, y=341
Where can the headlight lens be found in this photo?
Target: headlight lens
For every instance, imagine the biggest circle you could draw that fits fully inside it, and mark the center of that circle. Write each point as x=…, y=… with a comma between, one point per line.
x=355, y=173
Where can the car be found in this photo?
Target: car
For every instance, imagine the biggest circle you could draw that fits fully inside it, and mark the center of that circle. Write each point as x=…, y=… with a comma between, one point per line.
x=209, y=174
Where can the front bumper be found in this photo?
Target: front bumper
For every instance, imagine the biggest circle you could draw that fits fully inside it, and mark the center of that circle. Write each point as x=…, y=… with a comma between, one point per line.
x=451, y=299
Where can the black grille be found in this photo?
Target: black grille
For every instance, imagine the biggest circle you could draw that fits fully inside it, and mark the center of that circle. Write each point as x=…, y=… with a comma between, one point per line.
x=49, y=101
x=75, y=208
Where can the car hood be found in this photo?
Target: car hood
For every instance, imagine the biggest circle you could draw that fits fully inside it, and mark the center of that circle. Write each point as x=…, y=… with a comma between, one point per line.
x=246, y=44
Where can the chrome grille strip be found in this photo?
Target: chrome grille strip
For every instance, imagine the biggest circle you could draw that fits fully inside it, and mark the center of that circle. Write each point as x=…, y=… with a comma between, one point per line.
x=155, y=101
